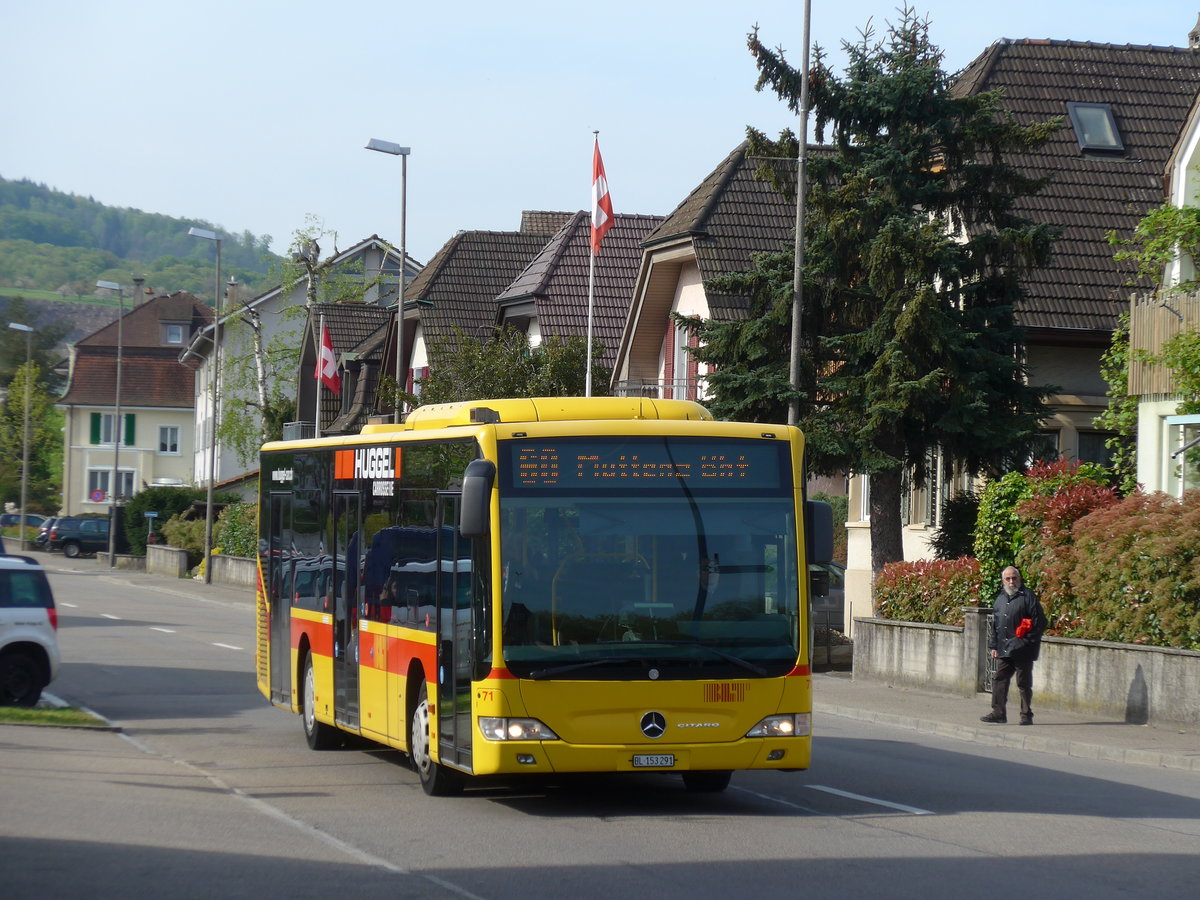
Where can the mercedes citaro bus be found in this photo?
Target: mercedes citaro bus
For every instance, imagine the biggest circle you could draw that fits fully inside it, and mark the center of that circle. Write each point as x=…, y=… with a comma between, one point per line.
x=541, y=586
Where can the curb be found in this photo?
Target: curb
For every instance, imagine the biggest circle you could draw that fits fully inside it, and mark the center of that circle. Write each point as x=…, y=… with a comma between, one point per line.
x=1019, y=741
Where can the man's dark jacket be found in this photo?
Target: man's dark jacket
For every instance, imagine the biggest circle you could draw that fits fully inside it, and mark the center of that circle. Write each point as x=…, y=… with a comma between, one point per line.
x=1009, y=611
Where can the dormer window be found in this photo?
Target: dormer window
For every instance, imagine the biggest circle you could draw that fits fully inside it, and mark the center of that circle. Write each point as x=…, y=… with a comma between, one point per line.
x=172, y=334
x=1095, y=127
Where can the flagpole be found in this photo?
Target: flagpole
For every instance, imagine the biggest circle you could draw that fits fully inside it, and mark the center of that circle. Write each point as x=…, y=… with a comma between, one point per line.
x=587, y=381
x=317, y=402
x=602, y=220
x=587, y=377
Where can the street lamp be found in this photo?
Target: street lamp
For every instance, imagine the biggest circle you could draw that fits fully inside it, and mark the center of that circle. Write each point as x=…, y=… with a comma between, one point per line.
x=17, y=326
x=212, y=387
x=112, y=488
x=402, y=152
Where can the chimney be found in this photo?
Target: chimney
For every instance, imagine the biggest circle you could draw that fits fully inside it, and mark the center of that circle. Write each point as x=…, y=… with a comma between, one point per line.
x=1194, y=36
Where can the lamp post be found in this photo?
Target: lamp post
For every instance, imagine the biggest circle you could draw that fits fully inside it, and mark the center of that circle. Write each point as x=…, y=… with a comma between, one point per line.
x=17, y=326
x=396, y=150
x=212, y=419
x=113, y=493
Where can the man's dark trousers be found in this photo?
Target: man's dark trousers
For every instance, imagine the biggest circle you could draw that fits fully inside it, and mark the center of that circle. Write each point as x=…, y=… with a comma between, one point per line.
x=1021, y=665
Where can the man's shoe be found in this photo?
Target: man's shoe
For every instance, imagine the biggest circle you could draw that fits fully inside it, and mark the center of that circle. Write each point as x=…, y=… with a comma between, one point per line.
x=993, y=719
x=1026, y=720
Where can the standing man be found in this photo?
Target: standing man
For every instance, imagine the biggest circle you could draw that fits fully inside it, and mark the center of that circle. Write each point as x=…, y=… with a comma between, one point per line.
x=1014, y=641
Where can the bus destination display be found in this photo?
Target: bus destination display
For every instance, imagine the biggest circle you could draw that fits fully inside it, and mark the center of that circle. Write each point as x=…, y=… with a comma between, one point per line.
x=590, y=464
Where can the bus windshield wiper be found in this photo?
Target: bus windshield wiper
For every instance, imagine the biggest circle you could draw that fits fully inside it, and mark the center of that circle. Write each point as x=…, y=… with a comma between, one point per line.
x=540, y=674
x=728, y=657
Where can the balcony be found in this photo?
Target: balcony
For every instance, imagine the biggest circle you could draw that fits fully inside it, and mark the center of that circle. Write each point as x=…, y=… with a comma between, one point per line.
x=660, y=390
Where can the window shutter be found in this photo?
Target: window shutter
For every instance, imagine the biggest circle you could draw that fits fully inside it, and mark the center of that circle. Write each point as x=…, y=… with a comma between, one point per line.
x=130, y=437
x=95, y=428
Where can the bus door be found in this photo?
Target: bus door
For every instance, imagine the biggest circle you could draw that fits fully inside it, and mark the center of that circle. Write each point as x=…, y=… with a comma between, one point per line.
x=347, y=540
x=279, y=533
x=454, y=636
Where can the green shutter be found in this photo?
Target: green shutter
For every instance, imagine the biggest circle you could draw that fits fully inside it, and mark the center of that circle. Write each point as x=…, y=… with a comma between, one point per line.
x=95, y=428
x=130, y=435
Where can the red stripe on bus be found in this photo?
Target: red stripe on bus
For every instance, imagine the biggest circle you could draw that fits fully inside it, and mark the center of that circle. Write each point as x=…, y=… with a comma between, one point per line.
x=799, y=670
x=320, y=639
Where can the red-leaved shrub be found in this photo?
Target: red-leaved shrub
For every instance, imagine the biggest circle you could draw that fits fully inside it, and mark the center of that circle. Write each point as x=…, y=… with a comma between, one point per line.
x=1132, y=574
x=933, y=591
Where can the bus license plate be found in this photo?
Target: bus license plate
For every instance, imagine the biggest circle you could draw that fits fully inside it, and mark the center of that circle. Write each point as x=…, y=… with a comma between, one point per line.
x=653, y=760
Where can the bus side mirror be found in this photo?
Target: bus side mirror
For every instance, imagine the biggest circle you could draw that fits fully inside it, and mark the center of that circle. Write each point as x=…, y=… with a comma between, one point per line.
x=475, y=513
x=818, y=521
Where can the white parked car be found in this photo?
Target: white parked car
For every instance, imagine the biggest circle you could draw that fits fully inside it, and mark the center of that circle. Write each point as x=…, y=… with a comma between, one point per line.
x=28, y=631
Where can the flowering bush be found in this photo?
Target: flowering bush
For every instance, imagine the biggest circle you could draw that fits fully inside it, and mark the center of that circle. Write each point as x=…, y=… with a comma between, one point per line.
x=933, y=591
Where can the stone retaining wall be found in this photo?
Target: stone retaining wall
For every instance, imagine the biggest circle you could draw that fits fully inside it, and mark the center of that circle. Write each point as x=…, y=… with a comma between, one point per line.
x=1124, y=681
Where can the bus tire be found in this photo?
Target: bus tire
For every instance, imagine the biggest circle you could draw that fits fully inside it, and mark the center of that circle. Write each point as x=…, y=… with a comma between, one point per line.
x=706, y=782
x=319, y=735
x=436, y=779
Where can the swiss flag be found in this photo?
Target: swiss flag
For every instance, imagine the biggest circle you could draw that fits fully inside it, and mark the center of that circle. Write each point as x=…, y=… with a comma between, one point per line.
x=327, y=372
x=602, y=211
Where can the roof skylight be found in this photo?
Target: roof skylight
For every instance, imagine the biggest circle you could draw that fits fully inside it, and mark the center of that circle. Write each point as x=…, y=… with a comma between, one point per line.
x=1095, y=127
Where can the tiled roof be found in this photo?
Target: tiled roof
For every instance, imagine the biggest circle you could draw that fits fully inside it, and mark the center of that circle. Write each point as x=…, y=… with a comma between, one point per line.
x=349, y=324
x=730, y=215
x=1150, y=90
x=351, y=327
x=146, y=381
x=458, y=287
x=140, y=325
x=557, y=279
x=151, y=374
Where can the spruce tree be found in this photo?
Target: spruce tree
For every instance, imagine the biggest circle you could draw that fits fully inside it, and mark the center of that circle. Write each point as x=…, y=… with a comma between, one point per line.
x=913, y=263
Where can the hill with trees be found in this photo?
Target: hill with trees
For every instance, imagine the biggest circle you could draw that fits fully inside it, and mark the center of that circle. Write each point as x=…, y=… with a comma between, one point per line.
x=57, y=245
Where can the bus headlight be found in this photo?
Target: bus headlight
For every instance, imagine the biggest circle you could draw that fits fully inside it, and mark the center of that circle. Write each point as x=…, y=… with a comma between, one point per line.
x=498, y=728
x=794, y=725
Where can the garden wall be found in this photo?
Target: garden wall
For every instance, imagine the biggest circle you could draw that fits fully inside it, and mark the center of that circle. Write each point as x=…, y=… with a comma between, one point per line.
x=1143, y=685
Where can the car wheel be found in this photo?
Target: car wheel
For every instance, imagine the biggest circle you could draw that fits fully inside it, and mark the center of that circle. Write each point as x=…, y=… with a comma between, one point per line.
x=319, y=735
x=21, y=679
x=71, y=549
x=706, y=782
x=436, y=780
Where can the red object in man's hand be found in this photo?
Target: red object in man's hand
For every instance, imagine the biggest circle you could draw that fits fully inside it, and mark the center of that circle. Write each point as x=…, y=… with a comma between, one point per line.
x=1025, y=626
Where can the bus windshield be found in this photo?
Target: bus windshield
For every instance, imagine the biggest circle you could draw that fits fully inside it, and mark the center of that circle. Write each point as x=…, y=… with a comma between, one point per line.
x=648, y=558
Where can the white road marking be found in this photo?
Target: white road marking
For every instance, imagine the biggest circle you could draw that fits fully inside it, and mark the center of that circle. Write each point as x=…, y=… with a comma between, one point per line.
x=163, y=630
x=69, y=605
x=916, y=811
x=227, y=646
x=312, y=831
x=111, y=616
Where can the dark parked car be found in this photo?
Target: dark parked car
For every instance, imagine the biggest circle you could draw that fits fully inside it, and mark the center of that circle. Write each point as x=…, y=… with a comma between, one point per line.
x=10, y=520
x=76, y=535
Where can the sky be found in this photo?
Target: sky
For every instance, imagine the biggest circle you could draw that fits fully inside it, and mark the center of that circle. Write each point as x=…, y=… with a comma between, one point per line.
x=253, y=115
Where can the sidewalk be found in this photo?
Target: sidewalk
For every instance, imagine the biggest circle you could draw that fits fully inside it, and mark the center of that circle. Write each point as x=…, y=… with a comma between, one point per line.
x=1053, y=731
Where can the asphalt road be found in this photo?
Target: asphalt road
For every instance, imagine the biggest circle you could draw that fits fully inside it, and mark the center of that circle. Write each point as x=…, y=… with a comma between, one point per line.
x=208, y=791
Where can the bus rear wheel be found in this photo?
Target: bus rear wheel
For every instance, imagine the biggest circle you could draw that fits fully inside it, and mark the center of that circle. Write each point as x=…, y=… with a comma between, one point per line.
x=706, y=782
x=436, y=780
x=319, y=735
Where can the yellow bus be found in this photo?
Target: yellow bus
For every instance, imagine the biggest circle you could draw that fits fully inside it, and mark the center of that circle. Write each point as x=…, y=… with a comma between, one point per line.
x=541, y=586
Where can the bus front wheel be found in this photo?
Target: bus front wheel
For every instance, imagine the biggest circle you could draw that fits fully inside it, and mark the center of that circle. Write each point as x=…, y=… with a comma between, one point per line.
x=436, y=780
x=319, y=735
